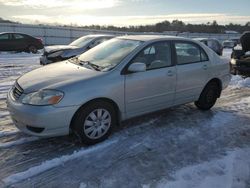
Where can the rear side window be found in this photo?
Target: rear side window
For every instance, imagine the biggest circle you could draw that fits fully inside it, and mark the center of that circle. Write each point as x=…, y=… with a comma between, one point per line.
x=4, y=37
x=17, y=36
x=187, y=52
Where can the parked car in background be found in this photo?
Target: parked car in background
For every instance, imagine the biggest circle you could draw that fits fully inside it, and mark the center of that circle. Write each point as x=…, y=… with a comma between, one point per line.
x=57, y=53
x=119, y=79
x=228, y=44
x=19, y=42
x=236, y=41
x=240, y=58
x=212, y=43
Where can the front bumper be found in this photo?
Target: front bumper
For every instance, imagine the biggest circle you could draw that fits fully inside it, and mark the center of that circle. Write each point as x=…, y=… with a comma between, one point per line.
x=44, y=121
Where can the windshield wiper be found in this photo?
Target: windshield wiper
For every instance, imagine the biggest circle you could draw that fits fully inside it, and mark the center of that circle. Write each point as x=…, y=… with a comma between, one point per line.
x=93, y=66
x=74, y=60
x=87, y=64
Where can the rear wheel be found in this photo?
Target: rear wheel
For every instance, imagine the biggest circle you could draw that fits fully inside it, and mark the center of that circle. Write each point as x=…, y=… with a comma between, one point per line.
x=32, y=49
x=208, y=96
x=94, y=123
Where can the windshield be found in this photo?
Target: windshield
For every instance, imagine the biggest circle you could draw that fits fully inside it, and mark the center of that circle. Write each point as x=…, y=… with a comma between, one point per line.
x=81, y=42
x=110, y=53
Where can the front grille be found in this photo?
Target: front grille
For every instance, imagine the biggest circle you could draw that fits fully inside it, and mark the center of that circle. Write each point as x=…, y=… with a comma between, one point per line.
x=17, y=91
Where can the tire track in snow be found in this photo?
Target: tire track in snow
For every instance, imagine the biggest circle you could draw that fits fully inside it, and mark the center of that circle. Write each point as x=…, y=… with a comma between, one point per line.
x=18, y=142
x=8, y=133
x=33, y=171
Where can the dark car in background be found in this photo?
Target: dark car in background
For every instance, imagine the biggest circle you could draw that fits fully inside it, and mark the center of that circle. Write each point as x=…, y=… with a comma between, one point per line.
x=240, y=58
x=19, y=42
x=57, y=53
x=212, y=43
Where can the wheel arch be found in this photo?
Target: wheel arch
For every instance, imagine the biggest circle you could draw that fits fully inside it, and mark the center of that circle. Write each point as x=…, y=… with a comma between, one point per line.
x=103, y=99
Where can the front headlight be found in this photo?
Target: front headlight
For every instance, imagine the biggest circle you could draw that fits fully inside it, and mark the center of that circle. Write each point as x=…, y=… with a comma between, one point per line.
x=43, y=97
x=55, y=54
x=233, y=61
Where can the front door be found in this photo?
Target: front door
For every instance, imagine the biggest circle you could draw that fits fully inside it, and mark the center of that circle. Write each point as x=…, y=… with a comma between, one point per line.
x=153, y=89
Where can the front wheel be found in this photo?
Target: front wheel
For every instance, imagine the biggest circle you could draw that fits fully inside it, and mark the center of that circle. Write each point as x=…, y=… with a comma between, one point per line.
x=94, y=123
x=208, y=96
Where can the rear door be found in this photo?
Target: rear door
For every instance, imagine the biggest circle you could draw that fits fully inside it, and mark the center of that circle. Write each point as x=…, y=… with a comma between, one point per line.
x=155, y=88
x=192, y=66
x=19, y=42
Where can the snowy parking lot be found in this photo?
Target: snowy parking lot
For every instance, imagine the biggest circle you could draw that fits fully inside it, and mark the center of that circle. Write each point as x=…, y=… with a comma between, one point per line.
x=180, y=147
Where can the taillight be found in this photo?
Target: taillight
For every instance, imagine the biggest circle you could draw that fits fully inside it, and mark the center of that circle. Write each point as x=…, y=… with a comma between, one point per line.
x=40, y=40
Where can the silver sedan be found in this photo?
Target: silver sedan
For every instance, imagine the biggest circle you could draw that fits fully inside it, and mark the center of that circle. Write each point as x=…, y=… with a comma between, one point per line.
x=119, y=79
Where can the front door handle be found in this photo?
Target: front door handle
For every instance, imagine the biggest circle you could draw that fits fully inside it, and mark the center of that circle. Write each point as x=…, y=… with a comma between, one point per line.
x=205, y=67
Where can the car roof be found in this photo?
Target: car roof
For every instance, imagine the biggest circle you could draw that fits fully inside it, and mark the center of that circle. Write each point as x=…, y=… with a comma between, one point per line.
x=228, y=41
x=207, y=39
x=14, y=33
x=99, y=35
x=150, y=37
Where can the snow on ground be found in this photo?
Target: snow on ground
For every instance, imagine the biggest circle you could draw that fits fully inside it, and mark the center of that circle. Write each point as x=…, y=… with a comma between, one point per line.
x=180, y=147
x=14, y=65
x=8, y=133
x=227, y=52
x=230, y=171
x=17, y=142
x=239, y=82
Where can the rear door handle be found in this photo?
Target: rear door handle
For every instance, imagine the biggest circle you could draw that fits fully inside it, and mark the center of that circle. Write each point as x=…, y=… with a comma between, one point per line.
x=170, y=73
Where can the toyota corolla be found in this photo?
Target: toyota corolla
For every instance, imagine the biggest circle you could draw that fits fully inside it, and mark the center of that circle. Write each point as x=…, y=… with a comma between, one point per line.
x=119, y=79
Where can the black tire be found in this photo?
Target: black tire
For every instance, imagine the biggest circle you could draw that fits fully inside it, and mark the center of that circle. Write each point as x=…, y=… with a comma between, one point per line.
x=208, y=96
x=234, y=71
x=82, y=115
x=32, y=49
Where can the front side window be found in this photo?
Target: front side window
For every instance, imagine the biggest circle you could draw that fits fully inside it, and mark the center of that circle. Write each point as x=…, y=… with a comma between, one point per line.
x=4, y=37
x=189, y=53
x=155, y=56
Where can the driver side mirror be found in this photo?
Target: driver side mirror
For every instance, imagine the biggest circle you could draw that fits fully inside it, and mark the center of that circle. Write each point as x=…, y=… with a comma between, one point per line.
x=137, y=67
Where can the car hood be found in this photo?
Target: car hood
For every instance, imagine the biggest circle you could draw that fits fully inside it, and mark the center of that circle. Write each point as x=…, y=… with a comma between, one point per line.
x=245, y=41
x=55, y=76
x=54, y=48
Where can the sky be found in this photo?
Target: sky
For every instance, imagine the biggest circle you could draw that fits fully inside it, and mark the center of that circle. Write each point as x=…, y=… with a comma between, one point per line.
x=125, y=12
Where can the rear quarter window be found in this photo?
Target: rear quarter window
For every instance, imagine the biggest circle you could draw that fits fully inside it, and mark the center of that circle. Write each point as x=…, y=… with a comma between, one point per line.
x=18, y=36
